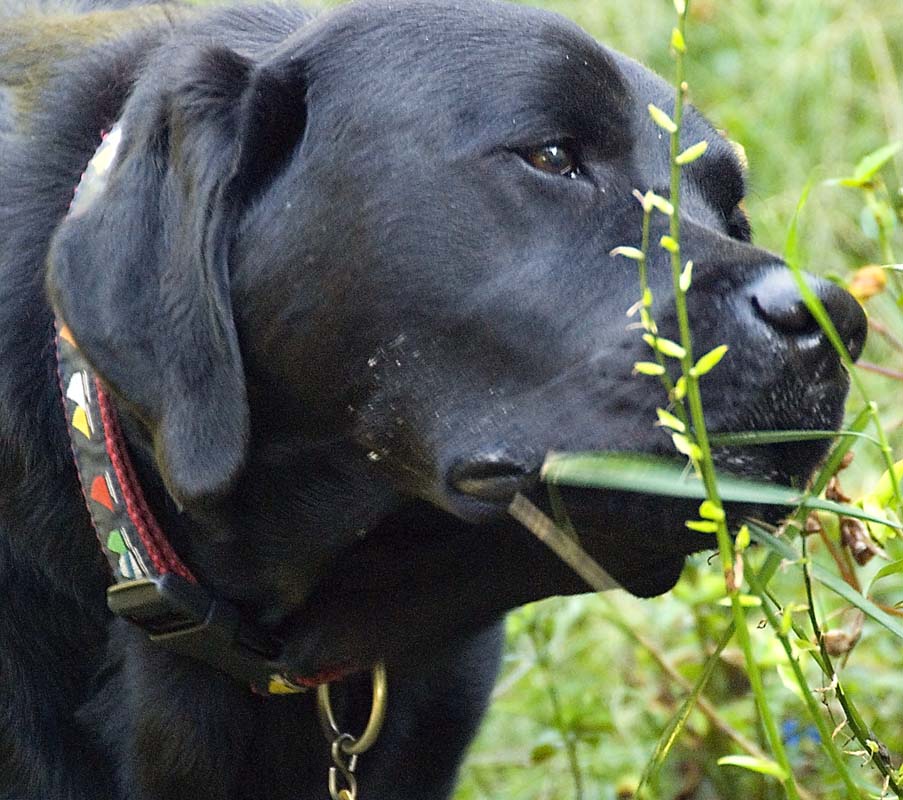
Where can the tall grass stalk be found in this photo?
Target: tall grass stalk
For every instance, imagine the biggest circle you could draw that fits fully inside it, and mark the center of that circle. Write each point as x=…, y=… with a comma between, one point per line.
x=824, y=732
x=853, y=718
x=702, y=454
x=672, y=732
x=699, y=451
x=568, y=737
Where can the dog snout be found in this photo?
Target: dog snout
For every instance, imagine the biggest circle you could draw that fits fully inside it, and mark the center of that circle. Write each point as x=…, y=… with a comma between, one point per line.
x=777, y=301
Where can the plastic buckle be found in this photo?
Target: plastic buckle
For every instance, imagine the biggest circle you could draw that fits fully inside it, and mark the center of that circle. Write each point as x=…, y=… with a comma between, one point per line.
x=182, y=618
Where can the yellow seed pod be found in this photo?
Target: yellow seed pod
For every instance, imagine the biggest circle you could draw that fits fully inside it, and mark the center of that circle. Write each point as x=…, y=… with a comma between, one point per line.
x=867, y=282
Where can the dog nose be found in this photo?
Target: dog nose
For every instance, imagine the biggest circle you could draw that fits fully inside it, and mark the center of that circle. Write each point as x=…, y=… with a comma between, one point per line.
x=493, y=478
x=777, y=301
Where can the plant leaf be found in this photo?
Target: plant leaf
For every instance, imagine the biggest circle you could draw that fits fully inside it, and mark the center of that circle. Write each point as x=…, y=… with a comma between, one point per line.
x=762, y=765
x=633, y=472
x=686, y=277
x=708, y=510
x=633, y=253
x=710, y=360
x=683, y=445
x=670, y=244
x=894, y=568
x=872, y=164
x=654, y=200
x=648, y=368
x=668, y=420
x=664, y=346
x=702, y=525
x=883, y=493
x=693, y=152
x=661, y=119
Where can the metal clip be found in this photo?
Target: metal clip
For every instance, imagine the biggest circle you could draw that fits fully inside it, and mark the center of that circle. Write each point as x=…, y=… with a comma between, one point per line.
x=344, y=747
x=343, y=769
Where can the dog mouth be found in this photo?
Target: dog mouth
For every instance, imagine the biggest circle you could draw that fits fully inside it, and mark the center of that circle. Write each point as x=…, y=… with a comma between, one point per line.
x=458, y=562
x=486, y=486
x=612, y=522
x=492, y=481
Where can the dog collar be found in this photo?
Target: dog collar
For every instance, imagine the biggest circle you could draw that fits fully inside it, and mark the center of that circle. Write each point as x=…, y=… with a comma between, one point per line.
x=152, y=588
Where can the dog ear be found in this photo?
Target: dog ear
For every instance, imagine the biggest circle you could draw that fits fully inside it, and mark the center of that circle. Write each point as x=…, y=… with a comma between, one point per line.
x=141, y=276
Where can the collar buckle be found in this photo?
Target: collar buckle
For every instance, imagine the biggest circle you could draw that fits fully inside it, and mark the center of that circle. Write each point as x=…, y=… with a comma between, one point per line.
x=181, y=617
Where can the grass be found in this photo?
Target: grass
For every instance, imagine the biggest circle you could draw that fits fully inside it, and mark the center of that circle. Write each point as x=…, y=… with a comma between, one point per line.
x=590, y=683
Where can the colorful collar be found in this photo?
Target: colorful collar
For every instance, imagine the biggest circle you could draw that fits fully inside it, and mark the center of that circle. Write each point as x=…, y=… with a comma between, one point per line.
x=152, y=588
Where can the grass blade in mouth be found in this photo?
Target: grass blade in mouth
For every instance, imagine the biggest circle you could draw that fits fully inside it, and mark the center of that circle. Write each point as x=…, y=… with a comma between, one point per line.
x=566, y=548
x=630, y=472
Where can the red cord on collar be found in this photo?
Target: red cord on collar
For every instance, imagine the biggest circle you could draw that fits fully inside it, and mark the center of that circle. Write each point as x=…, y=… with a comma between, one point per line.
x=158, y=548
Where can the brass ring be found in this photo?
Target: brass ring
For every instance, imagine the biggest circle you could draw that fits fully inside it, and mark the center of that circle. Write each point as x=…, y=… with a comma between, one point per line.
x=355, y=746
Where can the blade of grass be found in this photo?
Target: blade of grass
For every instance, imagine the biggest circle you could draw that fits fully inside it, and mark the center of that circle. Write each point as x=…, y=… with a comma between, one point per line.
x=630, y=472
x=817, y=309
x=672, y=732
x=698, y=448
x=854, y=720
x=670, y=735
x=753, y=438
x=563, y=546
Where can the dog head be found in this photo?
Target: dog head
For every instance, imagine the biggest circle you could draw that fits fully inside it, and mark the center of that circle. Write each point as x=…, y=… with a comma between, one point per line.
x=352, y=285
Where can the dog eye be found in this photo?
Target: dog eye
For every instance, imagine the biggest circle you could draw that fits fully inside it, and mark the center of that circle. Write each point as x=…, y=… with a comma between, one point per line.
x=553, y=158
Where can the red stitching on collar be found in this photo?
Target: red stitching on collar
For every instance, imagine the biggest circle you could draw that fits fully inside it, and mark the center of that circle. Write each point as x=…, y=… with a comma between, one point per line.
x=158, y=548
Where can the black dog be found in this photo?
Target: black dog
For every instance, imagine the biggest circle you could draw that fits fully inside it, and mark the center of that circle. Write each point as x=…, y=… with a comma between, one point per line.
x=347, y=282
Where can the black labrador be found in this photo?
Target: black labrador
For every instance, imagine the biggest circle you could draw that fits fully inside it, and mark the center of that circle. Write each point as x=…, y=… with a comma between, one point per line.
x=346, y=283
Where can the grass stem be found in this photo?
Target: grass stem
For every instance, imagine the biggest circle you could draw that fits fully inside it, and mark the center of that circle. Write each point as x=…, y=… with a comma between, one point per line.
x=704, y=462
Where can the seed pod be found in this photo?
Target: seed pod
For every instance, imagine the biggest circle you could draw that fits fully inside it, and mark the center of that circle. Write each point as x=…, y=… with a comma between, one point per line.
x=867, y=282
x=839, y=642
x=855, y=536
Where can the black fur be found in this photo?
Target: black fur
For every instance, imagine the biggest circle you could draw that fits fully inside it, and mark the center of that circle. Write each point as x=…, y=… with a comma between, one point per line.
x=343, y=318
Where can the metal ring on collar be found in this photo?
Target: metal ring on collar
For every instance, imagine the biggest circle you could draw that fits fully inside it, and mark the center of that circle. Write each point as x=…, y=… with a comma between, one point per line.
x=351, y=745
